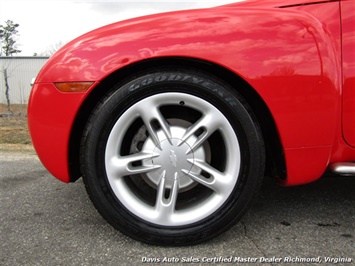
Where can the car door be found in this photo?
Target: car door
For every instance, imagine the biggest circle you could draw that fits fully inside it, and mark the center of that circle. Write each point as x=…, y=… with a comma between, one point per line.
x=348, y=46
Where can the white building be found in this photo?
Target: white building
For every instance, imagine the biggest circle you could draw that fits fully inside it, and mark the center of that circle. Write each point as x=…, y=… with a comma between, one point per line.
x=20, y=72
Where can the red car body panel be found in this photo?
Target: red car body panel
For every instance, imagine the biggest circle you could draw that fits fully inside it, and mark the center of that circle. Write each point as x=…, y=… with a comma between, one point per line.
x=348, y=45
x=290, y=56
x=50, y=131
x=277, y=3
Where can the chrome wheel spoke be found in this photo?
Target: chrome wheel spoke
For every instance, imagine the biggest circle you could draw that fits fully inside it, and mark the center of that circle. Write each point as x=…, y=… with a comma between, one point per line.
x=151, y=116
x=217, y=181
x=203, y=128
x=166, y=198
x=125, y=165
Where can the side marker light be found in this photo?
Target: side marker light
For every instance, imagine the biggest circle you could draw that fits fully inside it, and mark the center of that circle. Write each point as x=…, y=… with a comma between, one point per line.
x=73, y=86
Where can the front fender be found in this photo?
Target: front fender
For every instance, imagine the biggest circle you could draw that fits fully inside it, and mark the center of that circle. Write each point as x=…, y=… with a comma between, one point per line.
x=281, y=53
x=286, y=56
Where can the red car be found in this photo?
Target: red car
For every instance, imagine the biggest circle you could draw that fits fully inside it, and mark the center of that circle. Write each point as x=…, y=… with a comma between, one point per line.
x=174, y=119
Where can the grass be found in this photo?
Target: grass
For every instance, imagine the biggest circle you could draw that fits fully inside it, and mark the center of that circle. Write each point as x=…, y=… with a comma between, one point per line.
x=14, y=133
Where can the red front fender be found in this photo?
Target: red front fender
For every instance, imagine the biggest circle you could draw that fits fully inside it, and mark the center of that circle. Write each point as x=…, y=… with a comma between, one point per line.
x=286, y=56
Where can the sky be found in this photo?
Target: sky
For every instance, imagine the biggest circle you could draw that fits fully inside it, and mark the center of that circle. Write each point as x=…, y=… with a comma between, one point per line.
x=44, y=24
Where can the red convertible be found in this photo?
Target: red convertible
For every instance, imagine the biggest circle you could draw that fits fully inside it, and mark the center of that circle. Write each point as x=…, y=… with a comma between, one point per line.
x=172, y=120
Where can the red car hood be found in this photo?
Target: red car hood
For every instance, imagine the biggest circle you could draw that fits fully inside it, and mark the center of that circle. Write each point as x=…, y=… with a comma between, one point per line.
x=275, y=3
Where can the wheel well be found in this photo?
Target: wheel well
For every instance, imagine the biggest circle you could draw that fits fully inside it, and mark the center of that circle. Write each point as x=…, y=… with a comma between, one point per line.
x=275, y=164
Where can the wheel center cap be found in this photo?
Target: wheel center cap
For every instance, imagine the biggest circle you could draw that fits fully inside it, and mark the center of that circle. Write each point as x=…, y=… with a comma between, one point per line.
x=172, y=159
x=175, y=158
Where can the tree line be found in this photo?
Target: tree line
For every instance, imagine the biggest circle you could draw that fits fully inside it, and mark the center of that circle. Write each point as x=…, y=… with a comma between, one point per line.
x=8, y=34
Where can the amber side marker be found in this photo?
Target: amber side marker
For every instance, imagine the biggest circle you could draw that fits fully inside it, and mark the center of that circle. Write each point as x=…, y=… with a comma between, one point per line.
x=73, y=86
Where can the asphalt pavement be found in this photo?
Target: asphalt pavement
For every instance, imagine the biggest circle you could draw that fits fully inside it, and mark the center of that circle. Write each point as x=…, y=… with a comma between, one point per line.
x=46, y=222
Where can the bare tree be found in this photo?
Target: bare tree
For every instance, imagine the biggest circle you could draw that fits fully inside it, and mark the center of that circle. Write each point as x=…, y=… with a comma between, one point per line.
x=8, y=34
x=52, y=49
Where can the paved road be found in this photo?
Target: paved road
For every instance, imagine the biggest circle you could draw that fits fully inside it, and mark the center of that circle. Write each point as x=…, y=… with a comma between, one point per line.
x=46, y=222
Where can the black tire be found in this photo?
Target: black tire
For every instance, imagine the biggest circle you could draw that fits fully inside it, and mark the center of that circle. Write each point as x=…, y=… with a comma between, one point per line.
x=172, y=157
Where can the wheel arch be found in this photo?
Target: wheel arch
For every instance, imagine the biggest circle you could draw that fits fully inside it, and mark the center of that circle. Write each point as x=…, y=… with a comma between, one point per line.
x=275, y=160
